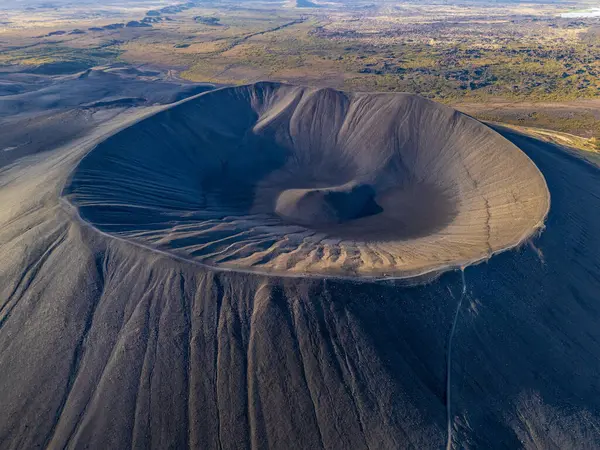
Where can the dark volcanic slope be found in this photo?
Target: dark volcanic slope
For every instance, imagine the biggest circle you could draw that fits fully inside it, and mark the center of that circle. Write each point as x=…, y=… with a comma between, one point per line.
x=295, y=181
x=40, y=112
x=104, y=344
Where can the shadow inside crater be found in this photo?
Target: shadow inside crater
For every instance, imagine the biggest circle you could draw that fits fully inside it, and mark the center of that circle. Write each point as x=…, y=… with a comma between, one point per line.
x=363, y=214
x=406, y=212
x=213, y=185
x=327, y=206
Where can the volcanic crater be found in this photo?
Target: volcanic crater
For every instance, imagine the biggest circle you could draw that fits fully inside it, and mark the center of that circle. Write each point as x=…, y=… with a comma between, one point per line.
x=290, y=180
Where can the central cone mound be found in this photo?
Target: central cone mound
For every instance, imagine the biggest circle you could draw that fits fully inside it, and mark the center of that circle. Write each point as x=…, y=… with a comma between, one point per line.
x=317, y=207
x=290, y=180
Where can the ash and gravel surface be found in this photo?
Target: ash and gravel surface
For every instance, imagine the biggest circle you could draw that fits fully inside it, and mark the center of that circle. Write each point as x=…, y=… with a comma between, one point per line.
x=106, y=344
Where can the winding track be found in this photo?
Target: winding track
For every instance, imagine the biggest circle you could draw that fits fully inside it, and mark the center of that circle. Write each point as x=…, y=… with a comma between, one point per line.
x=449, y=362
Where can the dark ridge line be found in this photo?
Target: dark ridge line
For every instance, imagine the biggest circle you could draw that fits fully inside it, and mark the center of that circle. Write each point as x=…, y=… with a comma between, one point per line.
x=77, y=356
x=245, y=341
x=255, y=420
x=291, y=319
x=220, y=295
x=339, y=360
x=353, y=378
x=158, y=312
x=124, y=323
x=146, y=335
x=186, y=307
x=336, y=361
x=30, y=273
x=251, y=309
x=83, y=412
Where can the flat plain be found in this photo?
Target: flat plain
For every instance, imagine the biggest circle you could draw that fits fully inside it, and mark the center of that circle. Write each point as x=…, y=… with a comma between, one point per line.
x=528, y=64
